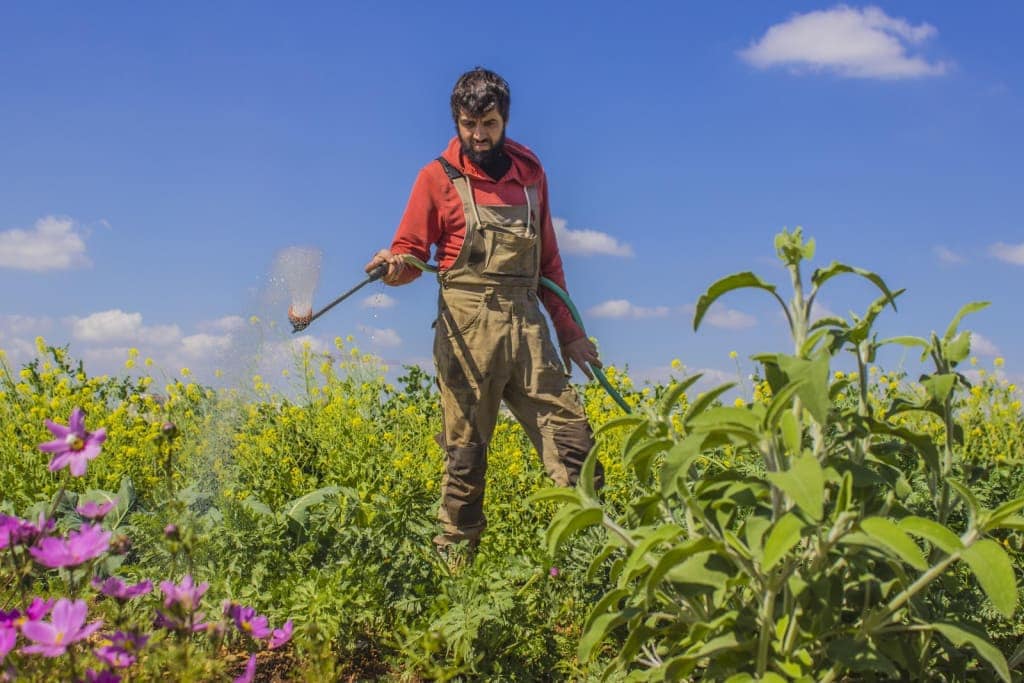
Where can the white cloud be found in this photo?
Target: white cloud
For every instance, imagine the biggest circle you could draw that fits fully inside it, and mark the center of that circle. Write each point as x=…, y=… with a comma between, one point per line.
x=621, y=308
x=204, y=345
x=851, y=42
x=385, y=337
x=116, y=325
x=378, y=300
x=1010, y=253
x=229, y=323
x=946, y=255
x=729, y=318
x=982, y=346
x=16, y=325
x=588, y=241
x=52, y=244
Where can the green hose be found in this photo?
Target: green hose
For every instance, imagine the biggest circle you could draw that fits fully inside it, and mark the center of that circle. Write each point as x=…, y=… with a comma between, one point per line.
x=564, y=296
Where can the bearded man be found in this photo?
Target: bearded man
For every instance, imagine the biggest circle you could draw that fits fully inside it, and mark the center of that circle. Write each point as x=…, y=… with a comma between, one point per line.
x=483, y=206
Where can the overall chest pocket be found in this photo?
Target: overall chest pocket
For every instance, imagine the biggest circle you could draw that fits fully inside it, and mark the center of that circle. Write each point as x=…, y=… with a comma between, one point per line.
x=509, y=253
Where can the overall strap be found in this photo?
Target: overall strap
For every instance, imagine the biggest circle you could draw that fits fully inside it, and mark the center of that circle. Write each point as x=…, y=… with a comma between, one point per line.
x=449, y=170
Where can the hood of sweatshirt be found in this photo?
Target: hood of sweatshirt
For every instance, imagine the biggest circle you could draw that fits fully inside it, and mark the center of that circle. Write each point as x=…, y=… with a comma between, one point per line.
x=525, y=170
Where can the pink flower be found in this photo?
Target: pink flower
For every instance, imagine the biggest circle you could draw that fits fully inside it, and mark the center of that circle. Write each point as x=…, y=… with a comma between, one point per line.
x=95, y=511
x=82, y=545
x=247, y=621
x=121, y=649
x=66, y=626
x=114, y=587
x=74, y=447
x=280, y=636
x=8, y=637
x=14, y=531
x=250, y=671
x=186, y=596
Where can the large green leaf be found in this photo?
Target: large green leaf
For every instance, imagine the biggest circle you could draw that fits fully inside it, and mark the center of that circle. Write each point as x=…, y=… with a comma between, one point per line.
x=812, y=375
x=804, y=483
x=641, y=558
x=1004, y=512
x=668, y=402
x=933, y=532
x=962, y=634
x=969, y=499
x=938, y=386
x=728, y=284
x=992, y=566
x=822, y=275
x=890, y=537
x=966, y=309
x=558, y=494
x=783, y=536
x=674, y=558
x=677, y=461
x=779, y=403
x=957, y=348
x=298, y=509
x=569, y=520
x=704, y=400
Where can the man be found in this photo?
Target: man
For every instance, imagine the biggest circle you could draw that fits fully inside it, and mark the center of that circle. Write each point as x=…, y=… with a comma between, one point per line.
x=483, y=204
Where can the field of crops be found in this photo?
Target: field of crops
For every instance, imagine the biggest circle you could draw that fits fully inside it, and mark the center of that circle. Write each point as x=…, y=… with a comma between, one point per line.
x=826, y=525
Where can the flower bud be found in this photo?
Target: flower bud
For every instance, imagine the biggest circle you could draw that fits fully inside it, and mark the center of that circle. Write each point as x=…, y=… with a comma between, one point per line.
x=169, y=430
x=120, y=544
x=171, y=532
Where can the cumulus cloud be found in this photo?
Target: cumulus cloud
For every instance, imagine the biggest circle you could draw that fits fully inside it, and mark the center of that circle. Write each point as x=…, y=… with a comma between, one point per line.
x=729, y=318
x=588, y=241
x=850, y=42
x=54, y=243
x=385, y=337
x=227, y=324
x=116, y=325
x=1010, y=253
x=621, y=308
x=946, y=255
x=204, y=345
x=983, y=346
x=378, y=300
x=16, y=324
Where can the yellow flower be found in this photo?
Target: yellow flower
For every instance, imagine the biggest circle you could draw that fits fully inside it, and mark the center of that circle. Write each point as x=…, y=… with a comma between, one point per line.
x=733, y=355
x=41, y=344
x=999, y=362
x=677, y=364
x=839, y=374
x=185, y=372
x=218, y=373
x=974, y=360
x=129, y=364
x=133, y=352
x=149, y=362
x=739, y=402
x=285, y=373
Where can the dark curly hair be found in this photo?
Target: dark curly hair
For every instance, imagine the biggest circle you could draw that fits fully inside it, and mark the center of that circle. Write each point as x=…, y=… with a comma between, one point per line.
x=478, y=91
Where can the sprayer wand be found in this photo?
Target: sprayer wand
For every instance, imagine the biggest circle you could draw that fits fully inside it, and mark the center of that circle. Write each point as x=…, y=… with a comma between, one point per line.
x=375, y=274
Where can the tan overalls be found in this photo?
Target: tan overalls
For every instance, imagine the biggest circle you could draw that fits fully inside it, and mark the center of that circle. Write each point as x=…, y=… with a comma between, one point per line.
x=492, y=343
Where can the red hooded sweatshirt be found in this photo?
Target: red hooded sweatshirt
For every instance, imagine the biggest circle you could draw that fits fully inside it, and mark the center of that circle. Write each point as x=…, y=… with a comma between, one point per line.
x=434, y=216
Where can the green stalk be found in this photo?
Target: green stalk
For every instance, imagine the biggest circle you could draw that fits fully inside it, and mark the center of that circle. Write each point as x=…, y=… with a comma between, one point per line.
x=764, y=638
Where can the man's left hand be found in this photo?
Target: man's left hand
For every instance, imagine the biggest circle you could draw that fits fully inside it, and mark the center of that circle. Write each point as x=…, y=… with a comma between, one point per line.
x=581, y=352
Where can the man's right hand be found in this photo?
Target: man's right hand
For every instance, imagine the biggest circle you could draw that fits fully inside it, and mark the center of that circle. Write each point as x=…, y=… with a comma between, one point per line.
x=395, y=265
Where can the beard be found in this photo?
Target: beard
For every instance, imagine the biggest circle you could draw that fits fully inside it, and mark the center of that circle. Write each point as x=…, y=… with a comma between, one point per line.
x=486, y=158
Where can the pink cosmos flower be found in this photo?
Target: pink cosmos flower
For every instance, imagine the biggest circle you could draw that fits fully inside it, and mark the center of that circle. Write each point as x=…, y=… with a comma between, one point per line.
x=114, y=587
x=8, y=637
x=250, y=671
x=66, y=626
x=95, y=511
x=121, y=649
x=186, y=596
x=280, y=636
x=247, y=621
x=85, y=544
x=15, y=531
x=102, y=676
x=74, y=447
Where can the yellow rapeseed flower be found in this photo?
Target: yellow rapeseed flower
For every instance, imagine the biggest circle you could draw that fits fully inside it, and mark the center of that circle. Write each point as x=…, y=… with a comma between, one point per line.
x=677, y=364
x=254, y=320
x=733, y=355
x=149, y=362
x=974, y=360
x=839, y=374
x=739, y=402
x=999, y=362
x=129, y=364
x=185, y=372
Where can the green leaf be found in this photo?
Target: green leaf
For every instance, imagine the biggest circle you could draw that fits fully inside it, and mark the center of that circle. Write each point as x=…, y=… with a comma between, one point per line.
x=641, y=554
x=804, y=483
x=909, y=341
x=958, y=348
x=619, y=422
x=259, y=507
x=674, y=558
x=783, y=536
x=569, y=520
x=959, y=635
x=973, y=507
x=677, y=390
x=822, y=275
x=298, y=509
x=890, y=537
x=678, y=460
x=597, y=632
x=728, y=284
x=585, y=481
x=933, y=532
x=966, y=309
x=812, y=375
x=704, y=400
x=1015, y=522
x=938, y=386
x=640, y=456
x=1008, y=509
x=779, y=403
x=992, y=566
x=790, y=432
x=559, y=494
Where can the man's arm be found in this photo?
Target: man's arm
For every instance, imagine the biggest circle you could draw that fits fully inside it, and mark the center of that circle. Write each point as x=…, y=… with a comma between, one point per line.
x=418, y=229
x=575, y=345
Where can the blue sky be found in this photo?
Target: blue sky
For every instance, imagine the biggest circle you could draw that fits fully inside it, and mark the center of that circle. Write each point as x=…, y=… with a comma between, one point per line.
x=157, y=158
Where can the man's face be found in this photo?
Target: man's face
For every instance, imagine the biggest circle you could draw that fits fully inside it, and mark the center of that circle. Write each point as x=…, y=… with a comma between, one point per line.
x=482, y=135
